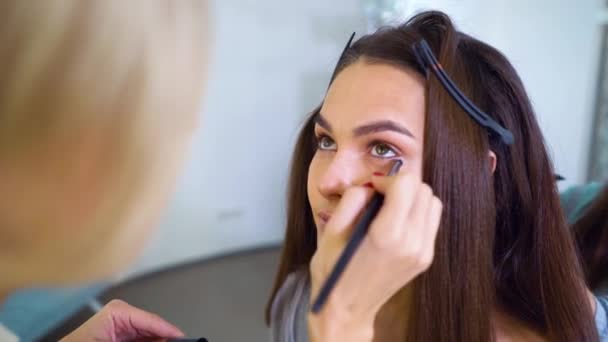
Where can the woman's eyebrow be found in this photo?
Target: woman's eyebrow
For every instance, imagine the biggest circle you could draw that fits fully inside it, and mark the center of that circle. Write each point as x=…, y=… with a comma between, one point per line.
x=382, y=126
x=372, y=127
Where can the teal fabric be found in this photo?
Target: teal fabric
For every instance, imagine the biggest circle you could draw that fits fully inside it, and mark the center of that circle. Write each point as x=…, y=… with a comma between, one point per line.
x=577, y=199
x=30, y=314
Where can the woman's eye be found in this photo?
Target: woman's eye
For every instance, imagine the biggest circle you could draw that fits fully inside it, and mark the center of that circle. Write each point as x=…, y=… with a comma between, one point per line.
x=325, y=143
x=383, y=151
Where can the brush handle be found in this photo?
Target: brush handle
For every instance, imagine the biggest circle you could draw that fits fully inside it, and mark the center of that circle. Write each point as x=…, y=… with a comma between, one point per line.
x=359, y=233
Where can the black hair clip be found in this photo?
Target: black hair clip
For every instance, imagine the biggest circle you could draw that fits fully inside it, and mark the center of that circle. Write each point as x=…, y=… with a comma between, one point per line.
x=427, y=61
x=350, y=40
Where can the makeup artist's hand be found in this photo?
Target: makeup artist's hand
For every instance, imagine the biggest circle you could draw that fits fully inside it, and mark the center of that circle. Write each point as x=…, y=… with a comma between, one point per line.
x=121, y=322
x=399, y=246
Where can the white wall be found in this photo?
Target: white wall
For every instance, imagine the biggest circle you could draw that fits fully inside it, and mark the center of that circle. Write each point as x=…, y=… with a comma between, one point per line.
x=557, y=53
x=270, y=65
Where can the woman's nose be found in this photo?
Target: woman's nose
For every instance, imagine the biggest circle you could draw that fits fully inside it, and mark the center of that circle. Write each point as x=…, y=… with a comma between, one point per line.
x=342, y=172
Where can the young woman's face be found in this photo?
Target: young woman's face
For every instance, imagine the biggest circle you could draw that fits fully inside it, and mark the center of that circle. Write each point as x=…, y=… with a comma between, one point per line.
x=372, y=115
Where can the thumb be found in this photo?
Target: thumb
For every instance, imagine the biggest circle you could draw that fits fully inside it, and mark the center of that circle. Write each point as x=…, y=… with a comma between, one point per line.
x=399, y=190
x=131, y=322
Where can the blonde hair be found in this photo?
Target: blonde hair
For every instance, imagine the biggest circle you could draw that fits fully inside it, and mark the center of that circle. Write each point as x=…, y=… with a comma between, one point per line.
x=97, y=101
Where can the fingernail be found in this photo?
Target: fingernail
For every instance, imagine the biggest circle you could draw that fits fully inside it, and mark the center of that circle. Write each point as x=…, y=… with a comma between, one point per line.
x=369, y=185
x=378, y=174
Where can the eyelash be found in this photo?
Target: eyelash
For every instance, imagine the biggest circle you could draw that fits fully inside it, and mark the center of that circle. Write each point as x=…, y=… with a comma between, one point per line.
x=392, y=149
x=319, y=138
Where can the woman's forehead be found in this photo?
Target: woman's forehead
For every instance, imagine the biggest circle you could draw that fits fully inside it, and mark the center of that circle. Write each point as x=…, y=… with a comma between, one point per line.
x=365, y=92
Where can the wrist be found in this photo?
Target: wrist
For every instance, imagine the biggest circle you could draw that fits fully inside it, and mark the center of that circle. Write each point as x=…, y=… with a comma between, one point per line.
x=337, y=325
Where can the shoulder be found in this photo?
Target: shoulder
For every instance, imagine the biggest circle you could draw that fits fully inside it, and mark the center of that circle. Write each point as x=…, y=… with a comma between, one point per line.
x=290, y=308
x=601, y=317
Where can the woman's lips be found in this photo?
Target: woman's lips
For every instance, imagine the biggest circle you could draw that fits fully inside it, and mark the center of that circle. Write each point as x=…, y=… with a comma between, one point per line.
x=324, y=217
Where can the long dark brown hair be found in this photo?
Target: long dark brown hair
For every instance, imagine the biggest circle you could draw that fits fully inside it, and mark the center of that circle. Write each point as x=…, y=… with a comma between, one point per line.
x=592, y=236
x=503, y=242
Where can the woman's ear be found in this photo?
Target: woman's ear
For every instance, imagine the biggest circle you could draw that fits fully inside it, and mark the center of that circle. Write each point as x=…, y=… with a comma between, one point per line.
x=493, y=160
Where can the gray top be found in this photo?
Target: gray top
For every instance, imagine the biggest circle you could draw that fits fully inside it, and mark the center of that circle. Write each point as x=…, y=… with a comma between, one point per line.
x=289, y=309
x=291, y=304
x=601, y=317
